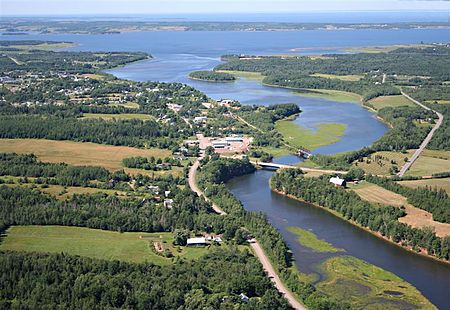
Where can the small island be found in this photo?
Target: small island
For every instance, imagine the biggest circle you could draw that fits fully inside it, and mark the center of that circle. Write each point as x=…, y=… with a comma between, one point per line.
x=212, y=76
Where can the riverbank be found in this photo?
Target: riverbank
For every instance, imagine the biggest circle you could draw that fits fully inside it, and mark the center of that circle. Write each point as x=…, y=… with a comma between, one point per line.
x=423, y=252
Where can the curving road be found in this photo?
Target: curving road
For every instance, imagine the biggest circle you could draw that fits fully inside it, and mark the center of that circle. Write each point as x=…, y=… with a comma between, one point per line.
x=193, y=185
x=427, y=139
x=259, y=252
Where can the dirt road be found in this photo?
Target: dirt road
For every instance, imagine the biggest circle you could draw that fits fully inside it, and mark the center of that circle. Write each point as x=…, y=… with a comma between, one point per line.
x=425, y=142
x=274, y=277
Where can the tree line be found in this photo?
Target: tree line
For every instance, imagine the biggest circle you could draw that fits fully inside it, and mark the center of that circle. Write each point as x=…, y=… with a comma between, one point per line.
x=216, y=280
x=384, y=220
x=214, y=171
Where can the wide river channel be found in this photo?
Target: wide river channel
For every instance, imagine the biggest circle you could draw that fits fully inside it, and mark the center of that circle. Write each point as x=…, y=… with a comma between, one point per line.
x=178, y=53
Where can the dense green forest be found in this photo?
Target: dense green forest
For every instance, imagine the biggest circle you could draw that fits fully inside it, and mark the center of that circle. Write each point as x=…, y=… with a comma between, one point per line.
x=50, y=281
x=214, y=172
x=212, y=76
x=384, y=220
x=68, y=62
x=296, y=71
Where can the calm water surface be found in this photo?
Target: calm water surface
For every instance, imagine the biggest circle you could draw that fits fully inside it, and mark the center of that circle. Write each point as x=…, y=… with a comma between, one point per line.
x=178, y=53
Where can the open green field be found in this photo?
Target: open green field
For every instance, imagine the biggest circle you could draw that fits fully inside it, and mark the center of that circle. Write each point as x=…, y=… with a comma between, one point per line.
x=95, y=243
x=244, y=74
x=438, y=101
x=310, y=240
x=61, y=192
x=367, y=286
x=298, y=136
x=443, y=183
x=339, y=77
x=78, y=153
x=127, y=116
x=45, y=46
x=430, y=162
x=129, y=105
x=335, y=95
x=380, y=163
x=383, y=49
x=390, y=101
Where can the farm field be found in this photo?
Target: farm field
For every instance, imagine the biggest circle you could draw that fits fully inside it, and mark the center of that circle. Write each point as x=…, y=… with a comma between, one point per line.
x=367, y=286
x=415, y=217
x=77, y=153
x=390, y=101
x=443, y=183
x=430, y=162
x=62, y=193
x=380, y=163
x=298, y=136
x=339, y=77
x=123, y=116
x=133, y=247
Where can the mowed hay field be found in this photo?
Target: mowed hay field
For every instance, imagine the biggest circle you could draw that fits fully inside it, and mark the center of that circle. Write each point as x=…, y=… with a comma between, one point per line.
x=430, y=162
x=95, y=243
x=123, y=116
x=390, y=101
x=414, y=216
x=443, y=183
x=77, y=153
x=352, y=78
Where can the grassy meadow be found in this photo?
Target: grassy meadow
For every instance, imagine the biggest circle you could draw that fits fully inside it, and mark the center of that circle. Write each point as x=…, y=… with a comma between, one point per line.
x=390, y=101
x=298, y=136
x=380, y=163
x=123, y=116
x=78, y=153
x=335, y=95
x=366, y=286
x=351, y=78
x=310, y=240
x=133, y=247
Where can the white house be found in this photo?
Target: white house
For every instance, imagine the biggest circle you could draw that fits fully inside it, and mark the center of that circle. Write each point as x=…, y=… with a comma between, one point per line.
x=337, y=181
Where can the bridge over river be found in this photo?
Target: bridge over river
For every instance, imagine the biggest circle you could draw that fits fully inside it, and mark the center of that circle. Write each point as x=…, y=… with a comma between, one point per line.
x=274, y=166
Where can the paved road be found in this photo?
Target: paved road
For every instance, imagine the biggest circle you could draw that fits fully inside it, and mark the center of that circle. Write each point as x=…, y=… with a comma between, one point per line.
x=427, y=139
x=196, y=189
x=274, y=277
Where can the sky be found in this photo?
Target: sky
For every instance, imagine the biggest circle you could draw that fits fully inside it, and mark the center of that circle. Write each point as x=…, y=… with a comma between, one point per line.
x=123, y=7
